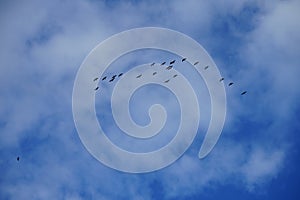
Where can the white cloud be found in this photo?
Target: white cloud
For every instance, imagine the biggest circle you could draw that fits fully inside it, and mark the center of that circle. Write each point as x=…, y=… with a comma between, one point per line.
x=37, y=74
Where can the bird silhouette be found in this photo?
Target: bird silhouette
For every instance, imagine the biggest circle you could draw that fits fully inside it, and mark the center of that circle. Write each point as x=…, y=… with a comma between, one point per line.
x=163, y=63
x=96, y=88
x=243, y=93
x=104, y=78
x=183, y=59
x=172, y=62
x=120, y=74
x=222, y=79
x=152, y=64
x=196, y=63
x=139, y=76
x=154, y=73
x=167, y=80
x=114, y=76
x=175, y=75
x=95, y=79
x=18, y=158
x=112, y=79
x=206, y=67
x=169, y=67
x=230, y=84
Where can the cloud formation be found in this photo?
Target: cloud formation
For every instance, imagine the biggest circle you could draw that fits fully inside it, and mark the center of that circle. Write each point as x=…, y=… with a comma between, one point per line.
x=254, y=43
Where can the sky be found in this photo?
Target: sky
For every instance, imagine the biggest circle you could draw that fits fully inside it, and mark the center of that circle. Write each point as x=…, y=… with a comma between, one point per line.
x=254, y=43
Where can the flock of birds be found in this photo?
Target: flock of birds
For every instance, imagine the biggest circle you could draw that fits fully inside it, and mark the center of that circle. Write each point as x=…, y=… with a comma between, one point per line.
x=170, y=66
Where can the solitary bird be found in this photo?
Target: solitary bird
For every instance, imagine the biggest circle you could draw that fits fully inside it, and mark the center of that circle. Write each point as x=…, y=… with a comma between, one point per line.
x=172, y=62
x=139, y=76
x=243, y=92
x=154, y=73
x=120, y=74
x=104, y=78
x=95, y=79
x=196, y=63
x=230, y=84
x=222, y=79
x=169, y=67
x=152, y=64
x=96, y=88
x=163, y=63
x=18, y=158
x=206, y=67
x=175, y=75
x=183, y=59
x=167, y=81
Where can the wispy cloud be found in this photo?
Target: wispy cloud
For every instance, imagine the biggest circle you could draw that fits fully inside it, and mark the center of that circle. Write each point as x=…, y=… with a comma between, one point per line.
x=254, y=43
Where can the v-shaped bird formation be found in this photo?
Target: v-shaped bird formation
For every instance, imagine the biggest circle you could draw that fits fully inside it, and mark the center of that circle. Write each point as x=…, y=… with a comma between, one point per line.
x=168, y=68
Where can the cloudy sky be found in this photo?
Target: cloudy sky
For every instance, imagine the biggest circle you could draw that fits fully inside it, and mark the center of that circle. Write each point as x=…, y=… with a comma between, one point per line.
x=255, y=44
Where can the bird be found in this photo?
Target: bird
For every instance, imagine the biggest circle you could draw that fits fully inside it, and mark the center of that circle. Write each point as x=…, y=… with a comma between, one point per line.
x=175, y=75
x=172, y=62
x=230, y=84
x=18, y=158
x=154, y=73
x=243, y=92
x=104, y=78
x=120, y=74
x=96, y=88
x=222, y=79
x=152, y=64
x=95, y=79
x=196, y=63
x=206, y=67
x=167, y=81
x=183, y=59
x=163, y=63
x=114, y=76
x=111, y=80
x=169, y=67
x=139, y=76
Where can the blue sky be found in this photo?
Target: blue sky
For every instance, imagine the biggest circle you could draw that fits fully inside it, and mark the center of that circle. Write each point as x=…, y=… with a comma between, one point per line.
x=254, y=43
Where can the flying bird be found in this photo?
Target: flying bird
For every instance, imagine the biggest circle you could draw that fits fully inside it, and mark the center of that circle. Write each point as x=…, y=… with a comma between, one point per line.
x=95, y=79
x=152, y=64
x=222, y=79
x=120, y=74
x=167, y=81
x=163, y=63
x=112, y=79
x=139, y=76
x=114, y=76
x=96, y=88
x=230, y=84
x=206, y=67
x=18, y=158
x=183, y=59
x=196, y=63
x=154, y=73
x=243, y=92
x=169, y=67
x=175, y=75
x=104, y=78
x=172, y=62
